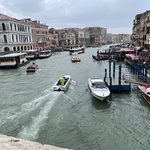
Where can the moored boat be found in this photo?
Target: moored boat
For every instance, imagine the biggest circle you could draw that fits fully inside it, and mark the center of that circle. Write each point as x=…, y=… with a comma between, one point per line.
x=44, y=54
x=63, y=83
x=13, y=60
x=145, y=89
x=32, y=54
x=98, y=88
x=32, y=68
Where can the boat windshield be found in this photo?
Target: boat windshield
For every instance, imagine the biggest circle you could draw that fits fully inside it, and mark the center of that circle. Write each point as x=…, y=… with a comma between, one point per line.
x=31, y=67
x=99, y=84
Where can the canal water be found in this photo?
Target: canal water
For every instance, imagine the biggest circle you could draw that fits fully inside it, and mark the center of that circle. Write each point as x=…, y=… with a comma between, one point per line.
x=30, y=109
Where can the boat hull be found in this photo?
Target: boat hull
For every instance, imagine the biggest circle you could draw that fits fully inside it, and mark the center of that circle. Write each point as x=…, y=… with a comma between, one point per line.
x=101, y=92
x=143, y=89
x=75, y=57
x=32, y=68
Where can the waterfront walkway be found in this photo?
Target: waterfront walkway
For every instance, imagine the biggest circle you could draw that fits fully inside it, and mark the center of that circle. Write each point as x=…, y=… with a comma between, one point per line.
x=11, y=143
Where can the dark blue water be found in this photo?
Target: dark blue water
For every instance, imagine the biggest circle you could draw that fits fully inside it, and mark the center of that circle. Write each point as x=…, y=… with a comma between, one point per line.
x=30, y=109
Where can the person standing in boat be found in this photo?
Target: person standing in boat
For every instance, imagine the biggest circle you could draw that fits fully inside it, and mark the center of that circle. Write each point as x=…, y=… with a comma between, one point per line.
x=62, y=81
x=98, y=54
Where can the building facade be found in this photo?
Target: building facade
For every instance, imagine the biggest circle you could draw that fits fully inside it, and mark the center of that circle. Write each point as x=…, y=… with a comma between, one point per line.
x=15, y=35
x=141, y=30
x=39, y=34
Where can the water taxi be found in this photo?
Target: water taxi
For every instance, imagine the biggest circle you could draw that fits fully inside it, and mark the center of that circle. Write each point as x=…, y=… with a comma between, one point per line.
x=32, y=68
x=13, y=60
x=75, y=57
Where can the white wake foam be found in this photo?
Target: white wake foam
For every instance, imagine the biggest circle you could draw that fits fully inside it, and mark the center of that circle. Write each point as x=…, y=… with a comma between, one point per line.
x=31, y=131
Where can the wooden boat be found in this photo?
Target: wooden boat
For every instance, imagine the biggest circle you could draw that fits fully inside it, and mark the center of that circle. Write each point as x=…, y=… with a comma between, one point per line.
x=98, y=88
x=145, y=89
x=75, y=57
x=32, y=68
x=13, y=60
x=78, y=50
x=63, y=83
x=45, y=54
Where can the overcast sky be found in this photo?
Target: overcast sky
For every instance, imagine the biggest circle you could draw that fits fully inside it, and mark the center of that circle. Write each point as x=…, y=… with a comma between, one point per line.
x=115, y=15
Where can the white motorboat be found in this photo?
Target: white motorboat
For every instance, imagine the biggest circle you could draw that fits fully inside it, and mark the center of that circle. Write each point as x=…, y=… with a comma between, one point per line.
x=63, y=83
x=98, y=88
x=75, y=57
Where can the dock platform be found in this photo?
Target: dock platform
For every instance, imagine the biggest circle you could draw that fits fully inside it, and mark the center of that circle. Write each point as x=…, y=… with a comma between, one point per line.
x=114, y=86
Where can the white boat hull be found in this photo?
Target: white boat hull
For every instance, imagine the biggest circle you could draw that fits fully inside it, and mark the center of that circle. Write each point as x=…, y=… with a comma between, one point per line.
x=98, y=88
x=58, y=87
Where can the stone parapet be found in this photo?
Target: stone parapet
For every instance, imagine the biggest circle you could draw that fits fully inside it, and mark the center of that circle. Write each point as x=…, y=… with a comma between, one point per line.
x=12, y=143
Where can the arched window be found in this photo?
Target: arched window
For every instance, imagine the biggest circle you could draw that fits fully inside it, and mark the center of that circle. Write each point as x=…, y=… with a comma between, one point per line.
x=18, y=48
x=16, y=38
x=6, y=49
x=5, y=38
x=15, y=27
x=3, y=26
x=10, y=26
x=22, y=48
x=12, y=38
x=14, y=48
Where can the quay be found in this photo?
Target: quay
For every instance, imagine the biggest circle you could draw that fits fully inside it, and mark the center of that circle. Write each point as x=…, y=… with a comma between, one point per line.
x=12, y=143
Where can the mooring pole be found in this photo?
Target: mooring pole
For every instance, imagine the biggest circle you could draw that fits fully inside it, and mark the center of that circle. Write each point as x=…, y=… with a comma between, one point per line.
x=114, y=62
x=119, y=78
x=109, y=68
x=105, y=77
x=146, y=67
x=138, y=67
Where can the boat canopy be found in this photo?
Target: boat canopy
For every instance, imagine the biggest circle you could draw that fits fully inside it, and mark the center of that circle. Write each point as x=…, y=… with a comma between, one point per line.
x=99, y=84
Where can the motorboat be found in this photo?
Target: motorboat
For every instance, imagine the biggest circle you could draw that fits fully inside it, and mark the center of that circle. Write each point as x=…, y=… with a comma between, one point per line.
x=63, y=83
x=32, y=68
x=145, y=89
x=75, y=57
x=99, y=88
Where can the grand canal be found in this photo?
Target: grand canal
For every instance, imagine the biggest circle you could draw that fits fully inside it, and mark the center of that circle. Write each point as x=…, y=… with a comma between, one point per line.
x=30, y=109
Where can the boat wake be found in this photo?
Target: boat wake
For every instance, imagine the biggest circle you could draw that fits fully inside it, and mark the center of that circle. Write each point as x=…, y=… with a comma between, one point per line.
x=30, y=132
x=73, y=82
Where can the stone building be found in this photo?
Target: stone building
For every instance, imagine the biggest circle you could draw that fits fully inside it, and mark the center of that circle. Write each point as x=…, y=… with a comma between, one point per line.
x=15, y=35
x=39, y=34
x=141, y=30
